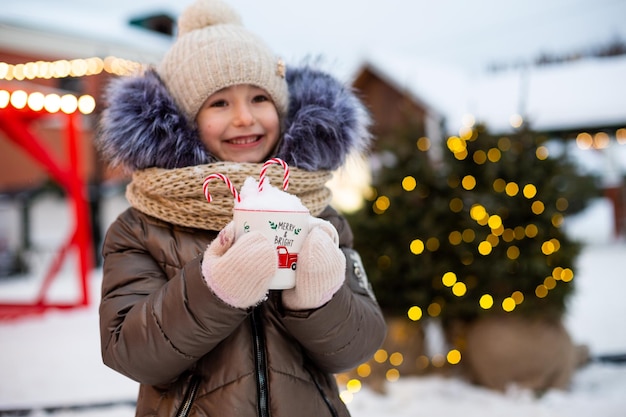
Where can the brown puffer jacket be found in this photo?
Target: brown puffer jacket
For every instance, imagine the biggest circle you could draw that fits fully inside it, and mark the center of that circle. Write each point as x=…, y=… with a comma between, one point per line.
x=191, y=353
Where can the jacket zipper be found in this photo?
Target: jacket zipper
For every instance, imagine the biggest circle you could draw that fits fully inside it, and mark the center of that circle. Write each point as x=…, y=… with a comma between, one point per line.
x=260, y=364
x=189, y=397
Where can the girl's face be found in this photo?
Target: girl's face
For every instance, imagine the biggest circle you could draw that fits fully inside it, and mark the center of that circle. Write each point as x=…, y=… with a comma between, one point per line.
x=239, y=124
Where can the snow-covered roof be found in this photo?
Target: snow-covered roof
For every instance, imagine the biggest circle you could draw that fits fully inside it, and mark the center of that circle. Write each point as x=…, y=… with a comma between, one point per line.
x=583, y=94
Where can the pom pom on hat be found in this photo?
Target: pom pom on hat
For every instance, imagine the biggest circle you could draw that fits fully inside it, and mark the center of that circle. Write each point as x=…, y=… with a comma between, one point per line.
x=214, y=51
x=205, y=13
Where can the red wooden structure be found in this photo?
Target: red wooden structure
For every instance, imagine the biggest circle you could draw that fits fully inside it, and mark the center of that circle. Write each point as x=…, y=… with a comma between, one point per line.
x=15, y=123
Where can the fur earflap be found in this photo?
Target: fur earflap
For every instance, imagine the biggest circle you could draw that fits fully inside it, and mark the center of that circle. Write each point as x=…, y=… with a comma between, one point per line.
x=142, y=127
x=325, y=122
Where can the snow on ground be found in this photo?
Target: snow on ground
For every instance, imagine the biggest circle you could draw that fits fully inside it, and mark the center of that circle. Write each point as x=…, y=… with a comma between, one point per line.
x=53, y=360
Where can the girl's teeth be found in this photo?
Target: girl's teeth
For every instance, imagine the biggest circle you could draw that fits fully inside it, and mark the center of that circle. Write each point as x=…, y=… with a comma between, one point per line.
x=243, y=141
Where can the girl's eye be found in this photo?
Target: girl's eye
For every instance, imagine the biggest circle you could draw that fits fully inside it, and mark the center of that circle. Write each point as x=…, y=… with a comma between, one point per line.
x=260, y=98
x=218, y=103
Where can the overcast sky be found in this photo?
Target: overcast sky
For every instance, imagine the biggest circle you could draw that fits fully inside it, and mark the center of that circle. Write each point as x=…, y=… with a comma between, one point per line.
x=464, y=33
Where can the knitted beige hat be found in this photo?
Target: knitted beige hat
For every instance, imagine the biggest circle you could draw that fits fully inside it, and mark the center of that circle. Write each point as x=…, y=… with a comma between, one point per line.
x=214, y=51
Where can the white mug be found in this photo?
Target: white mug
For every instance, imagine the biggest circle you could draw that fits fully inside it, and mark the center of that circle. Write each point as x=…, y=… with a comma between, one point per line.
x=285, y=229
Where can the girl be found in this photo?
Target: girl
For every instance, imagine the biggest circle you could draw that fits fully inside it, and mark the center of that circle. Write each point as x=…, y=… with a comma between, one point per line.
x=185, y=309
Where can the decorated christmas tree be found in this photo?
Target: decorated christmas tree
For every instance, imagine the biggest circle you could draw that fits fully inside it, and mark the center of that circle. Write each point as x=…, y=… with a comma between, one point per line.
x=474, y=228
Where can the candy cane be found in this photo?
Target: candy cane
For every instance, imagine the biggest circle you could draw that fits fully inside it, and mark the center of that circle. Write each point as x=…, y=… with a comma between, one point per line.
x=231, y=187
x=264, y=172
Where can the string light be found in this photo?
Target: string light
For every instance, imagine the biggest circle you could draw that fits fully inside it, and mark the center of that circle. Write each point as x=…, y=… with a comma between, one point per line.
x=423, y=144
x=52, y=103
x=64, y=68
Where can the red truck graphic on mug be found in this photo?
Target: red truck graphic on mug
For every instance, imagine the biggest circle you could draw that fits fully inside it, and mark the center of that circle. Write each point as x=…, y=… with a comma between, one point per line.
x=286, y=259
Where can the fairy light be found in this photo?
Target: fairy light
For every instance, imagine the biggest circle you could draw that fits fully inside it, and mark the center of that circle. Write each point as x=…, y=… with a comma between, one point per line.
x=409, y=183
x=423, y=144
x=479, y=157
x=364, y=370
x=469, y=235
x=36, y=101
x=584, y=140
x=541, y=291
x=381, y=204
x=516, y=120
x=466, y=133
x=531, y=230
x=51, y=103
x=417, y=246
x=434, y=309
x=68, y=104
x=459, y=289
x=381, y=356
x=562, y=204
x=549, y=283
x=456, y=205
x=529, y=191
x=601, y=140
x=511, y=189
x=438, y=360
x=499, y=185
x=468, y=120
x=494, y=155
x=468, y=182
x=492, y=238
x=19, y=98
x=449, y=279
x=477, y=212
x=415, y=313
x=67, y=68
x=537, y=207
x=620, y=136
x=567, y=275
x=353, y=386
x=455, y=238
x=422, y=362
x=5, y=98
x=392, y=375
x=396, y=359
x=508, y=304
x=508, y=235
x=512, y=252
x=542, y=153
x=486, y=301
x=504, y=144
x=346, y=396
x=86, y=104
x=494, y=221
x=484, y=248
x=547, y=248
x=453, y=357
x=432, y=244
x=456, y=144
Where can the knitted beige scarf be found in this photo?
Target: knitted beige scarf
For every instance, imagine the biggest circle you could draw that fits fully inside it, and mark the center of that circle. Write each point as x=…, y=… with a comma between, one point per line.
x=176, y=195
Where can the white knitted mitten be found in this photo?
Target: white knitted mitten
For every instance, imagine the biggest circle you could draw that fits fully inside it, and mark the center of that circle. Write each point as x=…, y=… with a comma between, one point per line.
x=321, y=269
x=239, y=272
